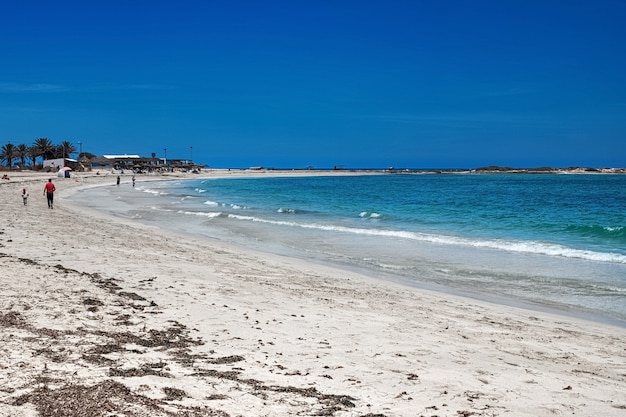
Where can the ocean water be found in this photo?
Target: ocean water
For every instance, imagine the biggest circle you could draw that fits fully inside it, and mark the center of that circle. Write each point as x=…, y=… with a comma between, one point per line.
x=541, y=241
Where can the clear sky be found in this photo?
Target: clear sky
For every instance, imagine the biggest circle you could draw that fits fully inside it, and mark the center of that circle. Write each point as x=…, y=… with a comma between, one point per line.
x=296, y=83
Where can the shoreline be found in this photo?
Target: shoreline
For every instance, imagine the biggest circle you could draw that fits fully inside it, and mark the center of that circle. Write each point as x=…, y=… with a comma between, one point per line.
x=606, y=316
x=162, y=322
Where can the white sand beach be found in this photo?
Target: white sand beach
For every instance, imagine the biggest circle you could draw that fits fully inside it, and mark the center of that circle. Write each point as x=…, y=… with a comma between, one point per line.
x=106, y=317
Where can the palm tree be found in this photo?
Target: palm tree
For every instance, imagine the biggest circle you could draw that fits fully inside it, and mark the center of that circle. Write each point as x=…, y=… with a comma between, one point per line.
x=22, y=153
x=45, y=148
x=33, y=153
x=58, y=151
x=7, y=153
x=67, y=148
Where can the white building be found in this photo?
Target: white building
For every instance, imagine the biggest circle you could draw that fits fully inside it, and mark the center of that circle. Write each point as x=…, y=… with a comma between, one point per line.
x=55, y=164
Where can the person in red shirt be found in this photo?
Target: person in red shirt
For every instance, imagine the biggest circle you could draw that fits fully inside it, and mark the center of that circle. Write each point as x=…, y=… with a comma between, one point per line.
x=48, y=191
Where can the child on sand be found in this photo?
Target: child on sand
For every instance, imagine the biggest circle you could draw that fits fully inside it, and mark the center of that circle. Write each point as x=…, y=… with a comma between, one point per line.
x=25, y=196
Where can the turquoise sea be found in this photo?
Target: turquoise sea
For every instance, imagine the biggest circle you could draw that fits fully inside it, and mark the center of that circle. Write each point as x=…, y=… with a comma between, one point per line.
x=554, y=242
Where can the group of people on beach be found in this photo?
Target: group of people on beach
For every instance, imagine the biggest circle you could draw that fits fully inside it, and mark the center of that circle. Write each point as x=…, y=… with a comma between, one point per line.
x=48, y=191
x=118, y=180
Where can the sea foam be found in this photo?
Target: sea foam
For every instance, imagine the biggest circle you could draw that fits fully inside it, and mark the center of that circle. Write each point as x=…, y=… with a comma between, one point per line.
x=533, y=247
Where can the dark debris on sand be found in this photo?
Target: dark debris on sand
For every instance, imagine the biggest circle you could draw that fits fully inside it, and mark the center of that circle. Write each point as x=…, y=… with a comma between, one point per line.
x=58, y=390
x=108, y=398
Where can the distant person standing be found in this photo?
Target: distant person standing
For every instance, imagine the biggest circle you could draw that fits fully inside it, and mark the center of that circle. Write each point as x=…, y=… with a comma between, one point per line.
x=48, y=191
x=25, y=196
x=118, y=180
x=133, y=180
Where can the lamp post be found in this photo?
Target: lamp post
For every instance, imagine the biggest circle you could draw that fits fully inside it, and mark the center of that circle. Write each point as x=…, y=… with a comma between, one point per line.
x=165, y=156
x=191, y=154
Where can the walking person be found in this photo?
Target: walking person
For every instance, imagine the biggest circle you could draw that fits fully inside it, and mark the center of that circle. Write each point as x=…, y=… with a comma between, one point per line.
x=25, y=196
x=48, y=191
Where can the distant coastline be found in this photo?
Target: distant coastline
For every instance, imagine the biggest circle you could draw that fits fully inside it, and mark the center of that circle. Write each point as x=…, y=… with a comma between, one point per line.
x=491, y=169
x=496, y=169
x=551, y=170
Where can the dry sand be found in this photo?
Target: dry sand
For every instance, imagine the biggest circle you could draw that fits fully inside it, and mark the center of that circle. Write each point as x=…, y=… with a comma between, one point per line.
x=104, y=317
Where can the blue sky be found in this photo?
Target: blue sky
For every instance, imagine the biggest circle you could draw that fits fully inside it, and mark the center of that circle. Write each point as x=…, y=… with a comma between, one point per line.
x=286, y=84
